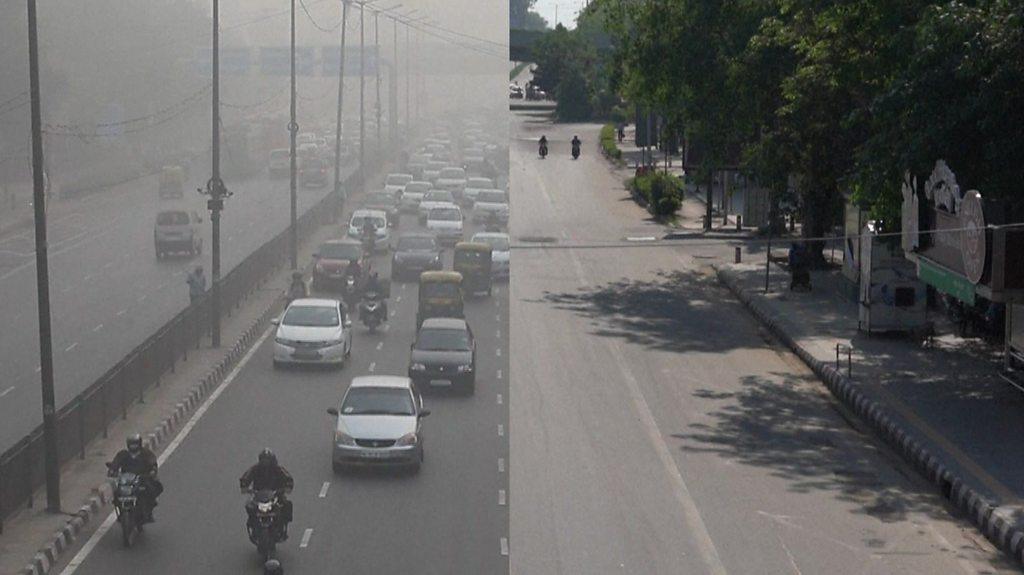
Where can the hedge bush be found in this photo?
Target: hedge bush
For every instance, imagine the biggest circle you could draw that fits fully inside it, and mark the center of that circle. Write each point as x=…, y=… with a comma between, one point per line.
x=608, y=142
x=661, y=193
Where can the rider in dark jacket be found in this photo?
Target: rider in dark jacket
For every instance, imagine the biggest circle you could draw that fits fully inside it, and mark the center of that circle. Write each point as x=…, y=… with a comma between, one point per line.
x=267, y=474
x=140, y=460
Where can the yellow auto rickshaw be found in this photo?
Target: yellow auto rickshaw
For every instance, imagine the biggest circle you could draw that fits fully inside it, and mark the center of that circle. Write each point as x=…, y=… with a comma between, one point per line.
x=473, y=261
x=172, y=182
x=440, y=295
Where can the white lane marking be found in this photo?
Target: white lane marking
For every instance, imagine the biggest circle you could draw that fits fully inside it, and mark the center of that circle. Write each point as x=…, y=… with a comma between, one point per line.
x=324, y=488
x=641, y=239
x=501, y=430
x=497, y=290
x=386, y=326
x=398, y=299
x=39, y=369
x=6, y=391
x=108, y=265
x=66, y=289
x=501, y=465
x=497, y=334
x=501, y=497
x=97, y=328
x=499, y=399
x=504, y=546
x=306, y=537
x=83, y=554
x=403, y=287
x=393, y=312
x=87, y=277
x=497, y=352
x=497, y=317
x=142, y=298
x=691, y=514
x=122, y=312
x=231, y=238
x=71, y=347
x=499, y=374
x=380, y=345
x=373, y=366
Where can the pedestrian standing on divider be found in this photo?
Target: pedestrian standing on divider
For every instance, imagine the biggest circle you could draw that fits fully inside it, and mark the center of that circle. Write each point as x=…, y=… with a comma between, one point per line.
x=196, y=284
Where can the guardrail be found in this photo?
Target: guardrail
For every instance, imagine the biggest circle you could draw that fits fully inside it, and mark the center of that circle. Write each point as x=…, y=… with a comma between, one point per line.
x=89, y=414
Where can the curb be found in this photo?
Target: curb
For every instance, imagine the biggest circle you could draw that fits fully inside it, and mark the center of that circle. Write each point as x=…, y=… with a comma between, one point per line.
x=996, y=524
x=47, y=556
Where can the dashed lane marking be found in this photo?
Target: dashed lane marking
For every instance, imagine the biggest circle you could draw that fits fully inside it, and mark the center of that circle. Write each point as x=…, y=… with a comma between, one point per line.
x=398, y=299
x=500, y=400
x=6, y=391
x=499, y=374
x=71, y=347
x=97, y=328
x=306, y=536
x=380, y=345
x=324, y=488
x=501, y=430
x=497, y=352
x=122, y=312
x=501, y=465
x=497, y=334
x=504, y=546
x=373, y=366
x=501, y=497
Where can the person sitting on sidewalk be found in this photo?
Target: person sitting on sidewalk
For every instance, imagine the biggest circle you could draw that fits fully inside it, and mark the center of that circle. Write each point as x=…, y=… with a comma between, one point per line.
x=196, y=284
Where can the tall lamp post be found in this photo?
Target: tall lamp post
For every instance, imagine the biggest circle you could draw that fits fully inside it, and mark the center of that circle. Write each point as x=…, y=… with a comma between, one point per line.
x=341, y=92
x=52, y=461
x=293, y=130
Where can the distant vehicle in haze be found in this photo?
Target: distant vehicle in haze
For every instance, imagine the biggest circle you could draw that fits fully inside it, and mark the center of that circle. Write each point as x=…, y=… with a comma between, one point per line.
x=279, y=163
x=313, y=173
x=177, y=231
x=445, y=222
x=414, y=254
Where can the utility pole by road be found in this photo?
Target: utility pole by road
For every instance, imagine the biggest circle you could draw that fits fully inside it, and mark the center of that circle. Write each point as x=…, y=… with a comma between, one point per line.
x=362, y=95
x=376, y=51
x=341, y=92
x=52, y=461
x=293, y=130
x=215, y=187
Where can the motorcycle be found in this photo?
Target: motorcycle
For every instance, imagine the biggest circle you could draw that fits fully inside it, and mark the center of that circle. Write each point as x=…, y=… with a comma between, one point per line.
x=264, y=527
x=129, y=506
x=543, y=151
x=371, y=311
x=575, y=152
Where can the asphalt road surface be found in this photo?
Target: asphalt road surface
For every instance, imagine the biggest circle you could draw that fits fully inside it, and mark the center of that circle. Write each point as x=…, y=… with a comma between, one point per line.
x=452, y=517
x=108, y=291
x=656, y=429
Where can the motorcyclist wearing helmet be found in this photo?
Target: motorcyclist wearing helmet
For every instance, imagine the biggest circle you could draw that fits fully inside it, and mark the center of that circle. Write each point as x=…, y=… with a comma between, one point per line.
x=373, y=285
x=273, y=567
x=576, y=143
x=369, y=233
x=543, y=145
x=298, y=288
x=140, y=460
x=268, y=475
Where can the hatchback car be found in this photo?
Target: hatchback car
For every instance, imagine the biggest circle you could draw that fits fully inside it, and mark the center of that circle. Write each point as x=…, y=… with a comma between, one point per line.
x=279, y=164
x=385, y=201
x=445, y=222
x=395, y=183
x=331, y=262
x=501, y=252
x=415, y=253
x=444, y=355
x=413, y=195
x=177, y=231
x=434, y=199
x=313, y=173
x=380, y=224
x=379, y=423
x=490, y=203
x=313, y=331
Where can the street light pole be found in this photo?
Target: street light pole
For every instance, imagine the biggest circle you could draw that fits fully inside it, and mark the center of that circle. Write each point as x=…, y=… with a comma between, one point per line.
x=376, y=51
x=215, y=187
x=341, y=92
x=293, y=129
x=362, y=94
x=52, y=461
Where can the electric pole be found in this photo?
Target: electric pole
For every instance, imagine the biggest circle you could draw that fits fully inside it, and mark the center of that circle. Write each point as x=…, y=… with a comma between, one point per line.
x=376, y=51
x=215, y=187
x=408, y=78
x=52, y=460
x=393, y=88
x=293, y=129
x=341, y=92
x=362, y=94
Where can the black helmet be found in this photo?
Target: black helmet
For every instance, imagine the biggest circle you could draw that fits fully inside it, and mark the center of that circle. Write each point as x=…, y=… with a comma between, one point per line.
x=273, y=567
x=134, y=443
x=267, y=458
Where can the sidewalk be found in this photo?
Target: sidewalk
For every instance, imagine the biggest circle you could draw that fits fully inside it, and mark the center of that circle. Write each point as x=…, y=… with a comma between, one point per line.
x=942, y=406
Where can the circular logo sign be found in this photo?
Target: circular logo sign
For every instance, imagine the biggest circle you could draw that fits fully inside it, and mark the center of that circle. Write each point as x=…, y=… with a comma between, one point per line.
x=972, y=237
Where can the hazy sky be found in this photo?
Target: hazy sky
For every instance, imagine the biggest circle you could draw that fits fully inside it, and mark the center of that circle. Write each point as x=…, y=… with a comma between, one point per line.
x=566, y=10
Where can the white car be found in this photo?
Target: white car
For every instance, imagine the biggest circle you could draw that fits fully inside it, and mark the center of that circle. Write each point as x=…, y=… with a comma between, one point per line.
x=380, y=224
x=445, y=222
x=452, y=179
x=432, y=171
x=313, y=331
x=488, y=203
x=413, y=195
x=474, y=185
x=501, y=252
x=433, y=199
x=395, y=183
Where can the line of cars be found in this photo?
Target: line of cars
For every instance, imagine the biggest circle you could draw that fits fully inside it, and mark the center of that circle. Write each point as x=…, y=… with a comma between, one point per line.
x=379, y=418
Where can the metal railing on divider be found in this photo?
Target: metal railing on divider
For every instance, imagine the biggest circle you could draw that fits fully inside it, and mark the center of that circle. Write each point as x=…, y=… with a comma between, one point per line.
x=90, y=413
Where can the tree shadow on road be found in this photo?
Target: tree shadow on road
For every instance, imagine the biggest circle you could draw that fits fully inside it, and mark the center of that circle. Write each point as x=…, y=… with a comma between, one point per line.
x=778, y=424
x=679, y=310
